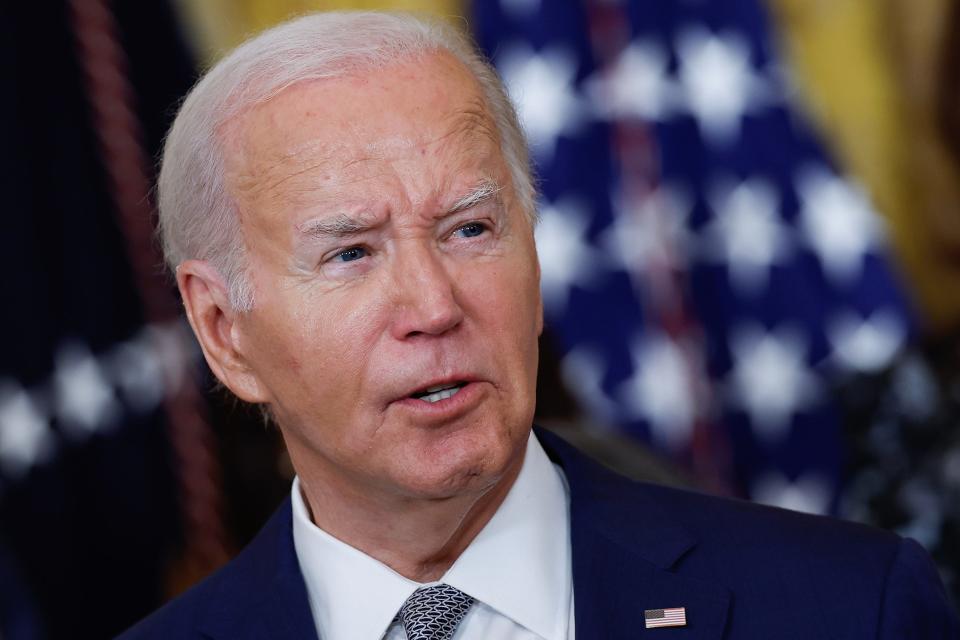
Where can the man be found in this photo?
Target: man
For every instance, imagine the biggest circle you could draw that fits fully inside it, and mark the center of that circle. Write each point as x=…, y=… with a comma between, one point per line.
x=347, y=205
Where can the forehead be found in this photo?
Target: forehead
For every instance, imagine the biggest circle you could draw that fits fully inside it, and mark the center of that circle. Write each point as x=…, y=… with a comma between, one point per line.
x=325, y=132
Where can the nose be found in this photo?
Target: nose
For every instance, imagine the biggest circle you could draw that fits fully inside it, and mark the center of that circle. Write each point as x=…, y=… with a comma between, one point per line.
x=425, y=295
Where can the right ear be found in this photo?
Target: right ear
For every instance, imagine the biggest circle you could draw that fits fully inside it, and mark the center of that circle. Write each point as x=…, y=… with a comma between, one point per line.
x=215, y=323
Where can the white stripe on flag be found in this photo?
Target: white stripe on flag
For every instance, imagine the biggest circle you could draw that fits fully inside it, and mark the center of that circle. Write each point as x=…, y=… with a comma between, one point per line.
x=676, y=617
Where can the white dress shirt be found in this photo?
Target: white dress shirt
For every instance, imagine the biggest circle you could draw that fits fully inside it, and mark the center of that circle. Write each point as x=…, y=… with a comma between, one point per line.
x=517, y=569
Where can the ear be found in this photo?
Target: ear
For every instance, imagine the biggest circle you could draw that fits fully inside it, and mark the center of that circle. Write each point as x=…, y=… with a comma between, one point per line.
x=215, y=323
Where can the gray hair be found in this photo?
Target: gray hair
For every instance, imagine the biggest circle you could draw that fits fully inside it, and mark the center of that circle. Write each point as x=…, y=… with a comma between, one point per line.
x=198, y=218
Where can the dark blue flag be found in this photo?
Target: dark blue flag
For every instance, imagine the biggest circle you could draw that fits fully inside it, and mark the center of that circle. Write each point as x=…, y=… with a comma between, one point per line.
x=710, y=273
x=88, y=510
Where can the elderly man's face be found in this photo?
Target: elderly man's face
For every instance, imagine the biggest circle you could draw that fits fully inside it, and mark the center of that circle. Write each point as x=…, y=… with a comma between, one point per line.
x=397, y=301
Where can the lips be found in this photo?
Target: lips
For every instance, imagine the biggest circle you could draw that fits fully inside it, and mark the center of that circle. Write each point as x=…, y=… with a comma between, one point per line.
x=442, y=397
x=439, y=392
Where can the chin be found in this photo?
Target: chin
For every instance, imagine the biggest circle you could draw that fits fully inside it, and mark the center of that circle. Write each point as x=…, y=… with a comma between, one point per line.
x=464, y=463
x=452, y=483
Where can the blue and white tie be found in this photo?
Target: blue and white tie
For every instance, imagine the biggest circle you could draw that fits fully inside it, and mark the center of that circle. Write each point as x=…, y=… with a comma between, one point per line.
x=433, y=613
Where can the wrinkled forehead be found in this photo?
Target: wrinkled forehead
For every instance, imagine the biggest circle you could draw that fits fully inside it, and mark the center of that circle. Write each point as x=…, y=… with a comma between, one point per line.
x=428, y=101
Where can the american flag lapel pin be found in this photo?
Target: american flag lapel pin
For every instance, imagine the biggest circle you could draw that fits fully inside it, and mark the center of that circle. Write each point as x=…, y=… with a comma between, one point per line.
x=675, y=617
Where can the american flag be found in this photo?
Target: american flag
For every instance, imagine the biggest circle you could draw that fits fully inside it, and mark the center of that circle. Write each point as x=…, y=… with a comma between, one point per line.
x=676, y=617
x=709, y=273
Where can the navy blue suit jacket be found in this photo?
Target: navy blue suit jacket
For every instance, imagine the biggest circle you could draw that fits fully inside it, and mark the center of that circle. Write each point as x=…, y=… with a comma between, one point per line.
x=740, y=570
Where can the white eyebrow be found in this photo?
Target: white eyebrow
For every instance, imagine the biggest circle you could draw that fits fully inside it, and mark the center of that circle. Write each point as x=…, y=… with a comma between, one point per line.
x=484, y=191
x=337, y=227
x=343, y=225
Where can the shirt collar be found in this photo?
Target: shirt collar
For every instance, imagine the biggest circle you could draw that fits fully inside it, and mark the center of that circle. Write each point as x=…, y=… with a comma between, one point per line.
x=351, y=594
x=519, y=563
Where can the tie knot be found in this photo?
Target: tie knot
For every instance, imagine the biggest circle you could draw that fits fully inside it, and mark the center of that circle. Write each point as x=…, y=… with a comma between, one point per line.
x=433, y=613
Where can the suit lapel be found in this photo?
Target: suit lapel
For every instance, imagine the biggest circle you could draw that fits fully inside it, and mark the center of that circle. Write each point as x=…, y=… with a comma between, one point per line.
x=613, y=587
x=626, y=552
x=262, y=593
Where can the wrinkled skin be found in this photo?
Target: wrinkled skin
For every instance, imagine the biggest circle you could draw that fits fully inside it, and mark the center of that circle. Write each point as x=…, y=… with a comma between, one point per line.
x=371, y=283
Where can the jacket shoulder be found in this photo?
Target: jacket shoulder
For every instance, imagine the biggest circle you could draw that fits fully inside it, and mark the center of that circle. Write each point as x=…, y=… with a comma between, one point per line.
x=724, y=525
x=786, y=572
x=738, y=524
x=860, y=581
x=176, y=619
x=266, y=568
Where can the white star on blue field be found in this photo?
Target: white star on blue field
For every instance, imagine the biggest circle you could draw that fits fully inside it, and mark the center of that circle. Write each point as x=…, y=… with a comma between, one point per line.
x=708, y=272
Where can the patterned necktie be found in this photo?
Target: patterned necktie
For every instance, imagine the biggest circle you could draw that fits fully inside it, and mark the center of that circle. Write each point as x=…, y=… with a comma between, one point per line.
x=433, y=613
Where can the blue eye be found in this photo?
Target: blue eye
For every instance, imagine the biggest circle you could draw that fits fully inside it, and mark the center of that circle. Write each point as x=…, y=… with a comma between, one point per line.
x=351, y=254
x=471, y=230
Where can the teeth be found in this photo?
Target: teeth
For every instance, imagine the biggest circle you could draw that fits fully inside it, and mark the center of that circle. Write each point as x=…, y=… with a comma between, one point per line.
x=442, y=394
x=440, y=387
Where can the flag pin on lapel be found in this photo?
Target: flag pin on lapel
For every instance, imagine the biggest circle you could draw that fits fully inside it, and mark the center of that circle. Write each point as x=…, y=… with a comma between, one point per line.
x=676, y=617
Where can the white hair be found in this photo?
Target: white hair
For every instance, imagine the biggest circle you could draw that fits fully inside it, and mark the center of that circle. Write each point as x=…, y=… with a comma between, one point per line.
x=199, y=219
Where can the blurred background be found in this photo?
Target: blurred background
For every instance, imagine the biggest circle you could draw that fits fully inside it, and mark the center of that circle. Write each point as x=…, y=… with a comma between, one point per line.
x=750, y=241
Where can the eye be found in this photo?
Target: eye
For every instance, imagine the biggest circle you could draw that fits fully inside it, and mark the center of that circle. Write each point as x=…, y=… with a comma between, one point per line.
x=471, y=229
x=351, y=254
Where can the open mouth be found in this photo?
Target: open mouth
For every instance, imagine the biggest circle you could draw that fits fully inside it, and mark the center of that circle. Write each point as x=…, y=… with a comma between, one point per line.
x=439, y=392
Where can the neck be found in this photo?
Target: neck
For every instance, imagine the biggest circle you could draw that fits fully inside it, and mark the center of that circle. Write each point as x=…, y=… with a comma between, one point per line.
x=419, y=538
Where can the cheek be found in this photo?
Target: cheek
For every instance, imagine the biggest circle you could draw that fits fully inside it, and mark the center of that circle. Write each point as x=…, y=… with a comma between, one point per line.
x=338, y=333
x=506, y=299
x=521, y=292
x=317, y=347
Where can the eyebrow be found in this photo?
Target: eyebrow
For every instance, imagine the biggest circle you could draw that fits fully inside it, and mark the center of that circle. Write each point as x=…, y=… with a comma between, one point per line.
x=338, y=227
x=343, y=225
x=482, y=192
